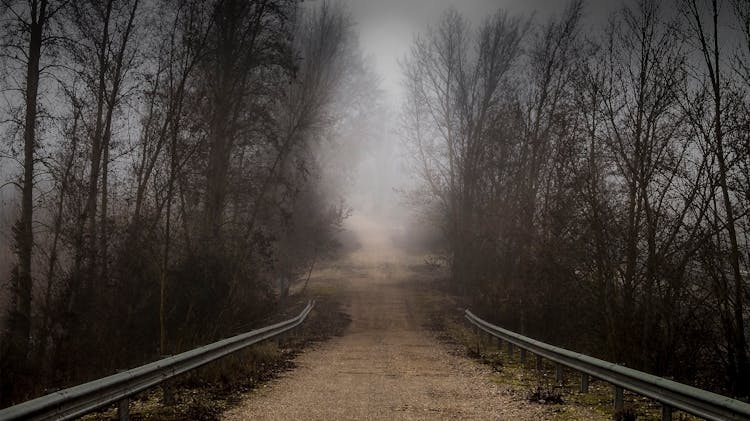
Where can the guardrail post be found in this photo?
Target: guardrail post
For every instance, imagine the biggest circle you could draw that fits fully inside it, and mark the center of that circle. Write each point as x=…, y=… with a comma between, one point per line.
x=666, y=412
x=115, y=391
x=584, y=383
x=280, y=339
x=523, y=355
x=477, y=333
x=167, y=389
x=618, y=398
x=672, y=396
x=123, y=409
x=291, y=338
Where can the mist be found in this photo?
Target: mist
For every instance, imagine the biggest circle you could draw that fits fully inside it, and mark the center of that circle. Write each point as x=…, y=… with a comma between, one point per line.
x=383, y=173
x=167, y=163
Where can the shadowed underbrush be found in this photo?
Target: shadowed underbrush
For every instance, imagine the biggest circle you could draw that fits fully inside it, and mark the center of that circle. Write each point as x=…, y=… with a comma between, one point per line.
x=442, y=313
x=209, y=391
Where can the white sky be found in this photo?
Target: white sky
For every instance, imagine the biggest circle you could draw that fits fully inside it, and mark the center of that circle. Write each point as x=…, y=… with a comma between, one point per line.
x=387, y=27
x=386, y=31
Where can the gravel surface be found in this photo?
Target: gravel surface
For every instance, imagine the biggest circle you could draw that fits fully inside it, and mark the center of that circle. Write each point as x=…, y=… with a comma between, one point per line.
x=385, y=366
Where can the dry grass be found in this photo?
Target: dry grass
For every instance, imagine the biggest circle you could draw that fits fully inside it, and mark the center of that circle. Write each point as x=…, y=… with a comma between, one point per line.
x=442, y=312
x=208, y=392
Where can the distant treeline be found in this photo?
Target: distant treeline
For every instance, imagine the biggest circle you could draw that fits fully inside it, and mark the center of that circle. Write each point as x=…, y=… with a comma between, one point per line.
x=172, y=161
x=593, y=187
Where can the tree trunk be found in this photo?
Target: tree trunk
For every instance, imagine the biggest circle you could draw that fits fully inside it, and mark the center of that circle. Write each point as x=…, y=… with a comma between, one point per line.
x=737, y=343
x=15, y=362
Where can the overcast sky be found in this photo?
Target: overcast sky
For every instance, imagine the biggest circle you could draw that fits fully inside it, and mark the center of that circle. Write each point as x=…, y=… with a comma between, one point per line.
x=387, y=27
x=386, y=31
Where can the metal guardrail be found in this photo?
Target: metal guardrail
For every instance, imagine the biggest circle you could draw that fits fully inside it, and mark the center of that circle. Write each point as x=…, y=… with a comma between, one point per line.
x=82, y=399
x=671, y=394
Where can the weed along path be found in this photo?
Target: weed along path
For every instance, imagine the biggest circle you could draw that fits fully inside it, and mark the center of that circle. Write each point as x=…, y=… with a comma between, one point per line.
x=386, y=365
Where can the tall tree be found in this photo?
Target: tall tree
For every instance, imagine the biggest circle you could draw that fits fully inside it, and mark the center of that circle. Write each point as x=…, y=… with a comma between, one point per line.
x=245, y=38
x=452, y=98
x=32, y=21
x=704, y=29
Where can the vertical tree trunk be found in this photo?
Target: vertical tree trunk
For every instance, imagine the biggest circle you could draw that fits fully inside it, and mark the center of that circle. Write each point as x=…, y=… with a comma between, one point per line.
x=227, y=92
x=738, y=363
x=104, y=242
x=19, y=324
x=738, y=342
x=217, y=173
x=48, y=316
x=86, y=248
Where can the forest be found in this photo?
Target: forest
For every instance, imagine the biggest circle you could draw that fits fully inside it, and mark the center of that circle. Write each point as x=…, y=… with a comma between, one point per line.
x=592, y=182
x=168, y=168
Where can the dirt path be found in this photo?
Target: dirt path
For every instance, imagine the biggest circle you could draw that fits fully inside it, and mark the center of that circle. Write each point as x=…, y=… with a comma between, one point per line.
x=385, y=366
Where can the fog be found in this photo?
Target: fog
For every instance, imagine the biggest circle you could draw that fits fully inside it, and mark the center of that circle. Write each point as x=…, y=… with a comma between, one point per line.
x=384, y=172
x=387, y=27
x=173, y=162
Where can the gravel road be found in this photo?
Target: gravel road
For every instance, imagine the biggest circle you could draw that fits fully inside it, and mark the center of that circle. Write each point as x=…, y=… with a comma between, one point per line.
x=386, y=366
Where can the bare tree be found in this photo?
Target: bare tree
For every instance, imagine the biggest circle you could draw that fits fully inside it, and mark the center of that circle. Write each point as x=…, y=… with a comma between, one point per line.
x=244, y=38
x=546, y=129
x=454, y=86
x=105, y=31
x=181, y=49
x=31, y=23
x=704, y=32
x=325, y=58
x=184, y=147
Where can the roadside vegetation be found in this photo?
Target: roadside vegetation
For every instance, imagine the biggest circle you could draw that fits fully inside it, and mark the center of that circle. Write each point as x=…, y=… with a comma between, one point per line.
x=168, y=169
x=595, y=175
x=442, y=313
x=205, y=394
